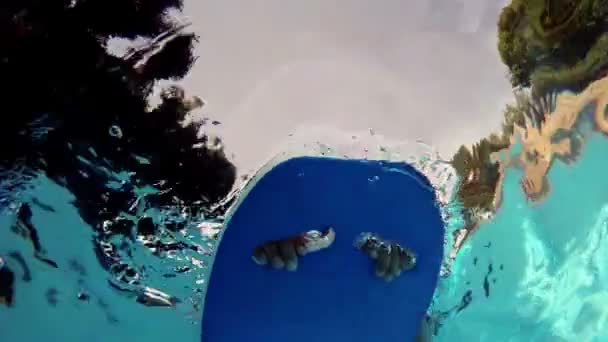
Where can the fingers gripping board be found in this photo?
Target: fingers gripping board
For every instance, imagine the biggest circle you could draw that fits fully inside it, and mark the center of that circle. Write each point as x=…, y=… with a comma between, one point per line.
x=334, y=295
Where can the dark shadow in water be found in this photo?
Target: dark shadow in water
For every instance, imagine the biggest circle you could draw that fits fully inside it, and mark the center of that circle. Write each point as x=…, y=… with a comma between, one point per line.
x=79, y=114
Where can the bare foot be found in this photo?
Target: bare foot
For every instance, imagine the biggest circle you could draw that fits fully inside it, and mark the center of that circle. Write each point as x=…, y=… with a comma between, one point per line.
x=391, y=259
x=284, y=254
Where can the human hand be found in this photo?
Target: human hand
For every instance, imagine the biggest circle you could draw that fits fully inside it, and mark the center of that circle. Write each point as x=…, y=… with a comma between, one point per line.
x=284, y=254
x=390, y=258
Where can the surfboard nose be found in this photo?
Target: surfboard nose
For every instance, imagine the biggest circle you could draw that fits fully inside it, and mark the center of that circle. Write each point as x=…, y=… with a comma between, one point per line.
x=334, y=290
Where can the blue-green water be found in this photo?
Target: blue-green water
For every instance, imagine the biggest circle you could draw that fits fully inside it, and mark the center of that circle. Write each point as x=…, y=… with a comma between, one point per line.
x=547, y=280
x=47, y=308
x=548, y=273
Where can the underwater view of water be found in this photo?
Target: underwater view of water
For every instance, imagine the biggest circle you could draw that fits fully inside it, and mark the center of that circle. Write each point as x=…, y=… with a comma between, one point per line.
x=535, y=272
x=118, y=181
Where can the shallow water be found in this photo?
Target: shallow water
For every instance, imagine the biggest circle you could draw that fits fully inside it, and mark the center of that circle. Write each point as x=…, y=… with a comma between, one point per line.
x=542, y=265
x=534, y=273
x=46, y=306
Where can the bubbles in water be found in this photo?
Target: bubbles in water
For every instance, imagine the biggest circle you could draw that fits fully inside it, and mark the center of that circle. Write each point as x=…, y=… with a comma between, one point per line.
x=210, y=230
x=160, y=256
x=115, y=131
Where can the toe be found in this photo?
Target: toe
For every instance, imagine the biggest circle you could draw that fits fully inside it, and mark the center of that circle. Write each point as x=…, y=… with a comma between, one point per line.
x=272, y=252
x=287, y=250
x=259, y=256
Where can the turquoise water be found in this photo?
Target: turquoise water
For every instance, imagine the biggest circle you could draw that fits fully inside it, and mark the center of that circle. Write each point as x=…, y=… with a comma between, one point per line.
x=548, y=273
x=547, y=280
x=47, y=307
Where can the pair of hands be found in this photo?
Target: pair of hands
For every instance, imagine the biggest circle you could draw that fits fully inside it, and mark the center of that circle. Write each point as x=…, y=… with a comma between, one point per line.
x=390, y=258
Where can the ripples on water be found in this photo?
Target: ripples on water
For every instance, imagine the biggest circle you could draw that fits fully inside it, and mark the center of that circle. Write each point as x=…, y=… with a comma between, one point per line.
x=536, y=272
x=86, y=292
x=532, y=274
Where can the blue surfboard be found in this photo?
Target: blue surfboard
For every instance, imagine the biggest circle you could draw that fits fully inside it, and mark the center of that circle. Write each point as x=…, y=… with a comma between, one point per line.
x=334, y=295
